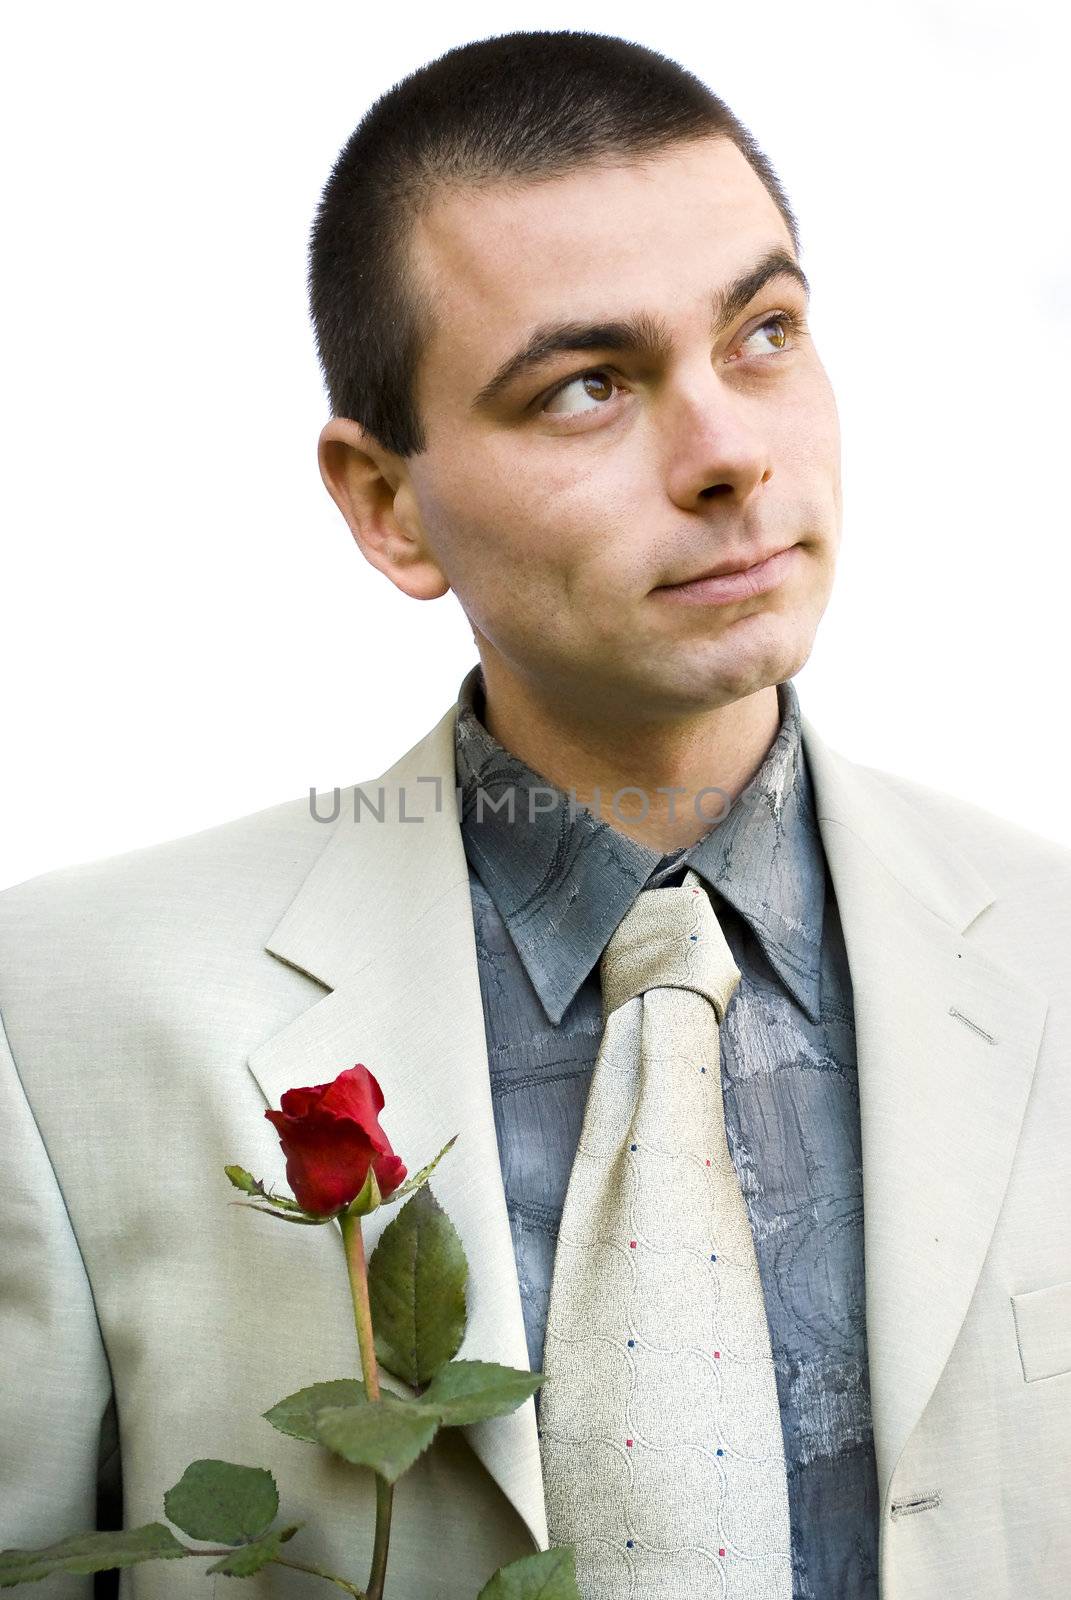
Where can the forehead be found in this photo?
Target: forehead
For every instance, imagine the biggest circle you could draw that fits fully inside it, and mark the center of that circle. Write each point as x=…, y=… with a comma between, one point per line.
x=659, y=234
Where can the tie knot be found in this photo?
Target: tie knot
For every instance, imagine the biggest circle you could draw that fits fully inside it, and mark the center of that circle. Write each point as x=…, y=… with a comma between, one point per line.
x=670, y=938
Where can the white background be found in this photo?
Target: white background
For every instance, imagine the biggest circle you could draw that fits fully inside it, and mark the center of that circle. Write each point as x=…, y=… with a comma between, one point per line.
x=189, y=632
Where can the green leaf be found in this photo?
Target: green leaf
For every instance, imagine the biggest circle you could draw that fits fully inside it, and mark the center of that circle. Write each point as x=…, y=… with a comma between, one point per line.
x=550, y=1575
x=296, y=1415
x=249, y=1558
x=90, y=1552
x=387, y=1434
x=419, y=1179
x=416, y=1286
x=471, y=1391
x=225, y=1503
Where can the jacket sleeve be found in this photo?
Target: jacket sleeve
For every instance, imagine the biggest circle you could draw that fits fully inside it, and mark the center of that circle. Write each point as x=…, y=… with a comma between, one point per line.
x=55, y=1381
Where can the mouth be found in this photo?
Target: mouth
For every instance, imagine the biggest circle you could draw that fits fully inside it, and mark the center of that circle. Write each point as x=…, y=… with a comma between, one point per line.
x=719, y=586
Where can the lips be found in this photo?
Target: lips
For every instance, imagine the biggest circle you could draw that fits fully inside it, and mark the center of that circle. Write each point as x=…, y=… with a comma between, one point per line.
x=749, y=583
x=737, y=563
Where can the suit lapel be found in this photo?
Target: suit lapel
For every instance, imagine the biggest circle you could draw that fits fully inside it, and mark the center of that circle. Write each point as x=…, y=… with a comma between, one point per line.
x=947, y=1040
x=384, y=920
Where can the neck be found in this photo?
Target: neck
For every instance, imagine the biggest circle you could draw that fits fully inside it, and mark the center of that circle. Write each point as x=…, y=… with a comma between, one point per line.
x=688, y=771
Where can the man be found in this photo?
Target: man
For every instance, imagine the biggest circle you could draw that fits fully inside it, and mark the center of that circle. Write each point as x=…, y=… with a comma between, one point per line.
x=562, y=321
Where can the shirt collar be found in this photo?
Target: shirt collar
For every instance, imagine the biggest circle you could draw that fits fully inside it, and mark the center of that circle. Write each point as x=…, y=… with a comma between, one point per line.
x=562, y=878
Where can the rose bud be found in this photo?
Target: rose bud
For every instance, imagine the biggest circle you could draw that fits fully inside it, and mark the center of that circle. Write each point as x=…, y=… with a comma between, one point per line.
x=330, y=1136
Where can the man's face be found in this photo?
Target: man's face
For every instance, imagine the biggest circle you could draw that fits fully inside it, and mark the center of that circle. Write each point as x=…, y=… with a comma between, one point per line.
x=560, y=507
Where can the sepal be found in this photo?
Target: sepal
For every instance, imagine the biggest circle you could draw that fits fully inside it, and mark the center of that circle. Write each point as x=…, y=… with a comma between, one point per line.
x=370, y=1199
x=417, y=1181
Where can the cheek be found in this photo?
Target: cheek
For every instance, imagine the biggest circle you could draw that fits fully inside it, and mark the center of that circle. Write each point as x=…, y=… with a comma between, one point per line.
x=540, y=517
x=814, y=427
x=585, y=499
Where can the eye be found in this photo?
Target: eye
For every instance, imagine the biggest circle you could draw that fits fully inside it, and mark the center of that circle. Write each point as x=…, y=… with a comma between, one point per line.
x=595, y=385
x=778, y=332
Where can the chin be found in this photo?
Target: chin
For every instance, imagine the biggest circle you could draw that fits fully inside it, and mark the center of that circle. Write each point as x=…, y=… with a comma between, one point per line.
x=754, y=659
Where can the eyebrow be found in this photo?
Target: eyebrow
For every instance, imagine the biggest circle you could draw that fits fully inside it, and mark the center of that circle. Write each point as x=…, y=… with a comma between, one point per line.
x=644, y=333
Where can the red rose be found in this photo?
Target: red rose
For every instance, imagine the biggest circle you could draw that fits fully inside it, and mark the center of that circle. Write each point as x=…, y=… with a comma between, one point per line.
x=330, y=1136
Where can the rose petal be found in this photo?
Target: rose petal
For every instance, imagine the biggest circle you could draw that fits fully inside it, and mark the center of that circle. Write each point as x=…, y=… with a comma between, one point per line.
x=330, y=1135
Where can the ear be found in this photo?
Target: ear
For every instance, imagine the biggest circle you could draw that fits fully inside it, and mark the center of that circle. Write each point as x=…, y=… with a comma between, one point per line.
x=372, y=489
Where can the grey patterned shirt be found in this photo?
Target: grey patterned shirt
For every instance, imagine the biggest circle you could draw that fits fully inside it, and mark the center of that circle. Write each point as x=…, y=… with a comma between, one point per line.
x=548, y=890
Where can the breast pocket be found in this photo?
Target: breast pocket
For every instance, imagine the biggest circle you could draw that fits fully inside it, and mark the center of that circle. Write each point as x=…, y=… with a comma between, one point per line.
x=1043, y=1329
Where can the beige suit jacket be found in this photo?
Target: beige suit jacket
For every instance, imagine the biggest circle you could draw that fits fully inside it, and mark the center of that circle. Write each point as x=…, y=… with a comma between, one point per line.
x=156, y=1002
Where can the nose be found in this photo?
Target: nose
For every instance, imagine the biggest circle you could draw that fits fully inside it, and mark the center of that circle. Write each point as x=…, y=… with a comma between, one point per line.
x=716, y=446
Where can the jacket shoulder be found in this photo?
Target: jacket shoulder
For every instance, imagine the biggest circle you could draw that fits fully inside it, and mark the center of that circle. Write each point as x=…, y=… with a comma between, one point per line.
x=1006, y=852
x=245, y=869
x=1006, y=887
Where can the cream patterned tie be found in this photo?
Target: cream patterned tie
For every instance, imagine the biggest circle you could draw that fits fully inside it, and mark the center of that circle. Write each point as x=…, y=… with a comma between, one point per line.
x=663, y=1456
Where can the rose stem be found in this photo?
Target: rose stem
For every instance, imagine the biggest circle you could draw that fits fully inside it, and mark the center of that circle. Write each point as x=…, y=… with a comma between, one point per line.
x=362, y=1316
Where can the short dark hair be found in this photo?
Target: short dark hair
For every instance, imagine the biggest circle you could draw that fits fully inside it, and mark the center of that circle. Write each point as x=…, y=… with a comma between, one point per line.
x=520, y=106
